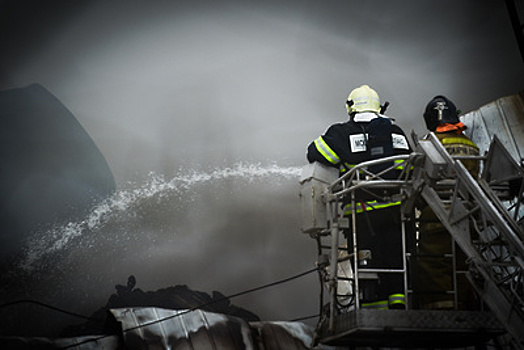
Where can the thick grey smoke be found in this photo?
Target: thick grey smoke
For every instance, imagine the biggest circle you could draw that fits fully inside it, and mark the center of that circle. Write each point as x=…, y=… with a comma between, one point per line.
x=164, y=85
x=173, y=87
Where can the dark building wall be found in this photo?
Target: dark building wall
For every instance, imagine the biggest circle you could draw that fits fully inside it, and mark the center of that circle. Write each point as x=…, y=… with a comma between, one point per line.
x=52, y=171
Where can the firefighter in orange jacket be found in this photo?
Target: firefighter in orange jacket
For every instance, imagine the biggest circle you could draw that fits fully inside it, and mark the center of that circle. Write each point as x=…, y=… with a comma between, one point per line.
x=369, y=135
x=433, y=269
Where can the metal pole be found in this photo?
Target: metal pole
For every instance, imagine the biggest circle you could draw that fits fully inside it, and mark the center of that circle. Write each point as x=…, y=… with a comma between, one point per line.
x=404, y=260
x=356, y=292
x=333, y=265
x=454, y=272
x=321, y=279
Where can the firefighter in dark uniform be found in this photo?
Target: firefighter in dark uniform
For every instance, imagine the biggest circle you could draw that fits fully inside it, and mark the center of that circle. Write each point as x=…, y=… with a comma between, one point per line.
x=369, y=135
x=433, y=272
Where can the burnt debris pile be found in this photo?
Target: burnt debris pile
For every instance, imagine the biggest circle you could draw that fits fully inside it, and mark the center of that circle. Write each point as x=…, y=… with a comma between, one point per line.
x=179, y=297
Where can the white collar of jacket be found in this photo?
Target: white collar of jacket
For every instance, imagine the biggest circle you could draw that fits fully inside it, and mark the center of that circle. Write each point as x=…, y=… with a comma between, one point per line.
x=364, y=117
x=368, y=116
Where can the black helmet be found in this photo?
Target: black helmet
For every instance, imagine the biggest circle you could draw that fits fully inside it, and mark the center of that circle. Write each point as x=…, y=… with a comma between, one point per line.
x=440, y=110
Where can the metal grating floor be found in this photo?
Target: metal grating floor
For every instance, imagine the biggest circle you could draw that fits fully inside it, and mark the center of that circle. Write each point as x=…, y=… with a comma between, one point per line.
x=412, y=328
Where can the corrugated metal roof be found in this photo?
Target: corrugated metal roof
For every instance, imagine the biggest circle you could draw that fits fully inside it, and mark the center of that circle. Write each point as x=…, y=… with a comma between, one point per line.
x=503, y=117
x=283, y=335
x=156, y=328
x=146, y=328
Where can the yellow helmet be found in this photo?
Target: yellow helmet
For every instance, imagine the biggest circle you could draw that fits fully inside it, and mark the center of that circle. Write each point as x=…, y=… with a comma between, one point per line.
x=363, y=99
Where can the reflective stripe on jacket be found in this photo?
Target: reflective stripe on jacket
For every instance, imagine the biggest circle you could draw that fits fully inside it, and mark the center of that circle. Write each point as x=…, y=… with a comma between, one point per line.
x=326, y=151
x=346, y=167
x=461, y=145
x=367, y=206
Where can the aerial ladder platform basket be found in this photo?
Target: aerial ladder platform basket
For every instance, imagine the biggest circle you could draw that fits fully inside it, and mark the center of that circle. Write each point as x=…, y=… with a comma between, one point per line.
x=483, y=216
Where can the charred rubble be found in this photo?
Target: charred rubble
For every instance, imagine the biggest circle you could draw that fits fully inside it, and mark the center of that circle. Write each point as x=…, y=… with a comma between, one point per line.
x=178, y=297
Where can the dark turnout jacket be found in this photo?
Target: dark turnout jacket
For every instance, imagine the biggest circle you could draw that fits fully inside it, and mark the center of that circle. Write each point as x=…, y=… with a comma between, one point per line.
x=344, y=145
